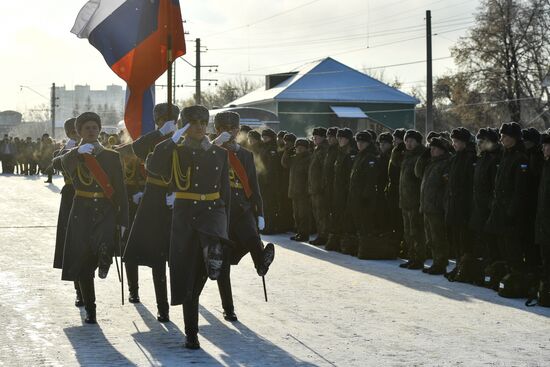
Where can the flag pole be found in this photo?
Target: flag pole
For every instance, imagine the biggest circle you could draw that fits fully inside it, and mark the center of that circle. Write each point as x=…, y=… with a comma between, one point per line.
x=169, y=57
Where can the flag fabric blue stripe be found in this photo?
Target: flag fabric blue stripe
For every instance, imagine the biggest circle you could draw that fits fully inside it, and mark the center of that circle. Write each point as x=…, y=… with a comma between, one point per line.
x=111, y=37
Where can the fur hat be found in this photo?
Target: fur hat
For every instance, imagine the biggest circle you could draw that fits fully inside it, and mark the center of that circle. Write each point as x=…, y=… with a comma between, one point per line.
x=431, y=135
x=302, y=143
x=488, y=134
x=545, y=138
x=364, y=136
x=531, y=134
x=290, y=137
x=165, y=112
x=85, y=117
x=440, y=143
x=227, y=120
x=245, y=129
x=413, y=134
x=511, y=129
x=254, y=135
x=269, y=132
x=195, y=113
x=320, y=131
x=345, y=133
x=69, y=125
x=385, y=137
x=399, y=134
x=332, y=131
x=281, y=134
x=461, y=134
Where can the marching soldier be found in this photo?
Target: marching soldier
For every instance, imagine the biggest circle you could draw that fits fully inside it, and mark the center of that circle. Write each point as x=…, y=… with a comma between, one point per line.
x=542, y=233
x=297, y=160
x=458, y=207
x=409, y=202
x=99, y=210
x=508, y=209
x=67, y=194
x=149, y=239
x=316, y=187
x=246, y=216
x=200, y=174
x=340, y=188
x=432, y=192
x=269, y=177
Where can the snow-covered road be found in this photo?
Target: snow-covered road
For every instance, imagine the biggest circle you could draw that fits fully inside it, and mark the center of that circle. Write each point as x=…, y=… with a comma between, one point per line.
x=325, y=309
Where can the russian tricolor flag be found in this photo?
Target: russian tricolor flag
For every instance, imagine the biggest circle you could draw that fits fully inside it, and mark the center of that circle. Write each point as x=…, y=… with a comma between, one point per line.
x=132, y=36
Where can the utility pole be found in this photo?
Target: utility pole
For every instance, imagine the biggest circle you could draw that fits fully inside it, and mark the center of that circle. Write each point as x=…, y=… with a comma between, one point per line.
x=198, y=71
x=429, y=81
x=53, y=110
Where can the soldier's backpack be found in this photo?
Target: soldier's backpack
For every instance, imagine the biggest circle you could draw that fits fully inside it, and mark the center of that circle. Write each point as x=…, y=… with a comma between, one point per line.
x=493, y=274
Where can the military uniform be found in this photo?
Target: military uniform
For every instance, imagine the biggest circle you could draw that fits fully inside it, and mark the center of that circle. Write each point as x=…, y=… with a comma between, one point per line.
x=269, y=177
x=361, y=201
x=200, y=174
x=509, y=209
x=409, y=202
x=286, y=211
x=432, y=192
x=92, y=226
x=542, y=229
x=317, y=190
x=328, y=179
x=298, y=165
x=395, y=217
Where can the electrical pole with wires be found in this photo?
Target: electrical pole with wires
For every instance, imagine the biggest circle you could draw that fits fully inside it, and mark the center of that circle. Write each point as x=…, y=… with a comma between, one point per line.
x=429, y=79
x=52, y=111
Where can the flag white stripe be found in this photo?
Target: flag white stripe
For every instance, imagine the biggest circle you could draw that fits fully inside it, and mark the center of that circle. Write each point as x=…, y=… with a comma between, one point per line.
x=92, y=14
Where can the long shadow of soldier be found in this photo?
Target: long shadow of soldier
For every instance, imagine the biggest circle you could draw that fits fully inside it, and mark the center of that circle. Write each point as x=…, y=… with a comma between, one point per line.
x=92, y=347
x=387, y=269
x=243, y=347
x=162, y=343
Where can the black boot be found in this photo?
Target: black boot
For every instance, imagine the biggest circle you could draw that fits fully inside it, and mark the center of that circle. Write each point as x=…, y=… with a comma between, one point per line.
x=133, y=282
x=405, y=265
x=416, y=265
x=436, y=269
x=229, y=315
x=104, y=261
x=88, y=295
x=192, y=342
x=161, y=293
x=78, y=302
x=268, y=254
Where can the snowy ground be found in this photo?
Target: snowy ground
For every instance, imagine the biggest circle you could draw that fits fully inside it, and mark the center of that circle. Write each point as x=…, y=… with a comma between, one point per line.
x=325, y=309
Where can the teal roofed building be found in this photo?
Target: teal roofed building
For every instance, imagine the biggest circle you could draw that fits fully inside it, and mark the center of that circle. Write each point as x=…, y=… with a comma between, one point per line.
x=329, y=93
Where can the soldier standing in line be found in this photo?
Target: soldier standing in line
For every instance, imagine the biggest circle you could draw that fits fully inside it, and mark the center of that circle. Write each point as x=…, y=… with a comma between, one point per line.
x=542, y=233
x=269, y=178
x=535, y=157
x=149, y=239
x=383, y=224
x=409, y=202
x=508, y=212
x=483, y=187
x=395, y=217
x=340, y=188
x=255, y=142
x=316, y=187
x=362, y=196
x=67, y=195
x=432, y=192
x=297, y=161
x=200, y=174
x=99, y=214
x=286, y=219
x=246, y=218
x=458, y=203
x=328, y=176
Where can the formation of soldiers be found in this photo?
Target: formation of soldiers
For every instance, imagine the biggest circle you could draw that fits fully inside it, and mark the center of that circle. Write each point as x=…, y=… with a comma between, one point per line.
x=481, y=199
x=199, y=203
x=174, y=196
x=27, y=157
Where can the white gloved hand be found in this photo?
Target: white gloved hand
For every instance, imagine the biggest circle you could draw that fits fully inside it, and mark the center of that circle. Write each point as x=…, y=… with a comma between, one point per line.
x=86, y=149
x=168, y=127
x=222, y=138
x=122, y=230
x=179, y=133
x=261, y=223
x=170, y=199
x=136, y=198
x=70, y=144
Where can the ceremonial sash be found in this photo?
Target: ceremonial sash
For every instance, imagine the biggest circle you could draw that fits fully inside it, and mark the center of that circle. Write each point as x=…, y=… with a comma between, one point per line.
x=99, y=175
x=142, y=170
x=240, y=172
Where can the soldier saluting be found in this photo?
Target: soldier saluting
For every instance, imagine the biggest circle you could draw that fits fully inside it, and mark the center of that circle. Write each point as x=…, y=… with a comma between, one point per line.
x=246, y=209
x=149, y=239
x=99, y=209
x=200, y=173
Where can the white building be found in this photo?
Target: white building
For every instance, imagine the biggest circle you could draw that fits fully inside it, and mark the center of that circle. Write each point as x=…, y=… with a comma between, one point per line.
x=108, y=103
